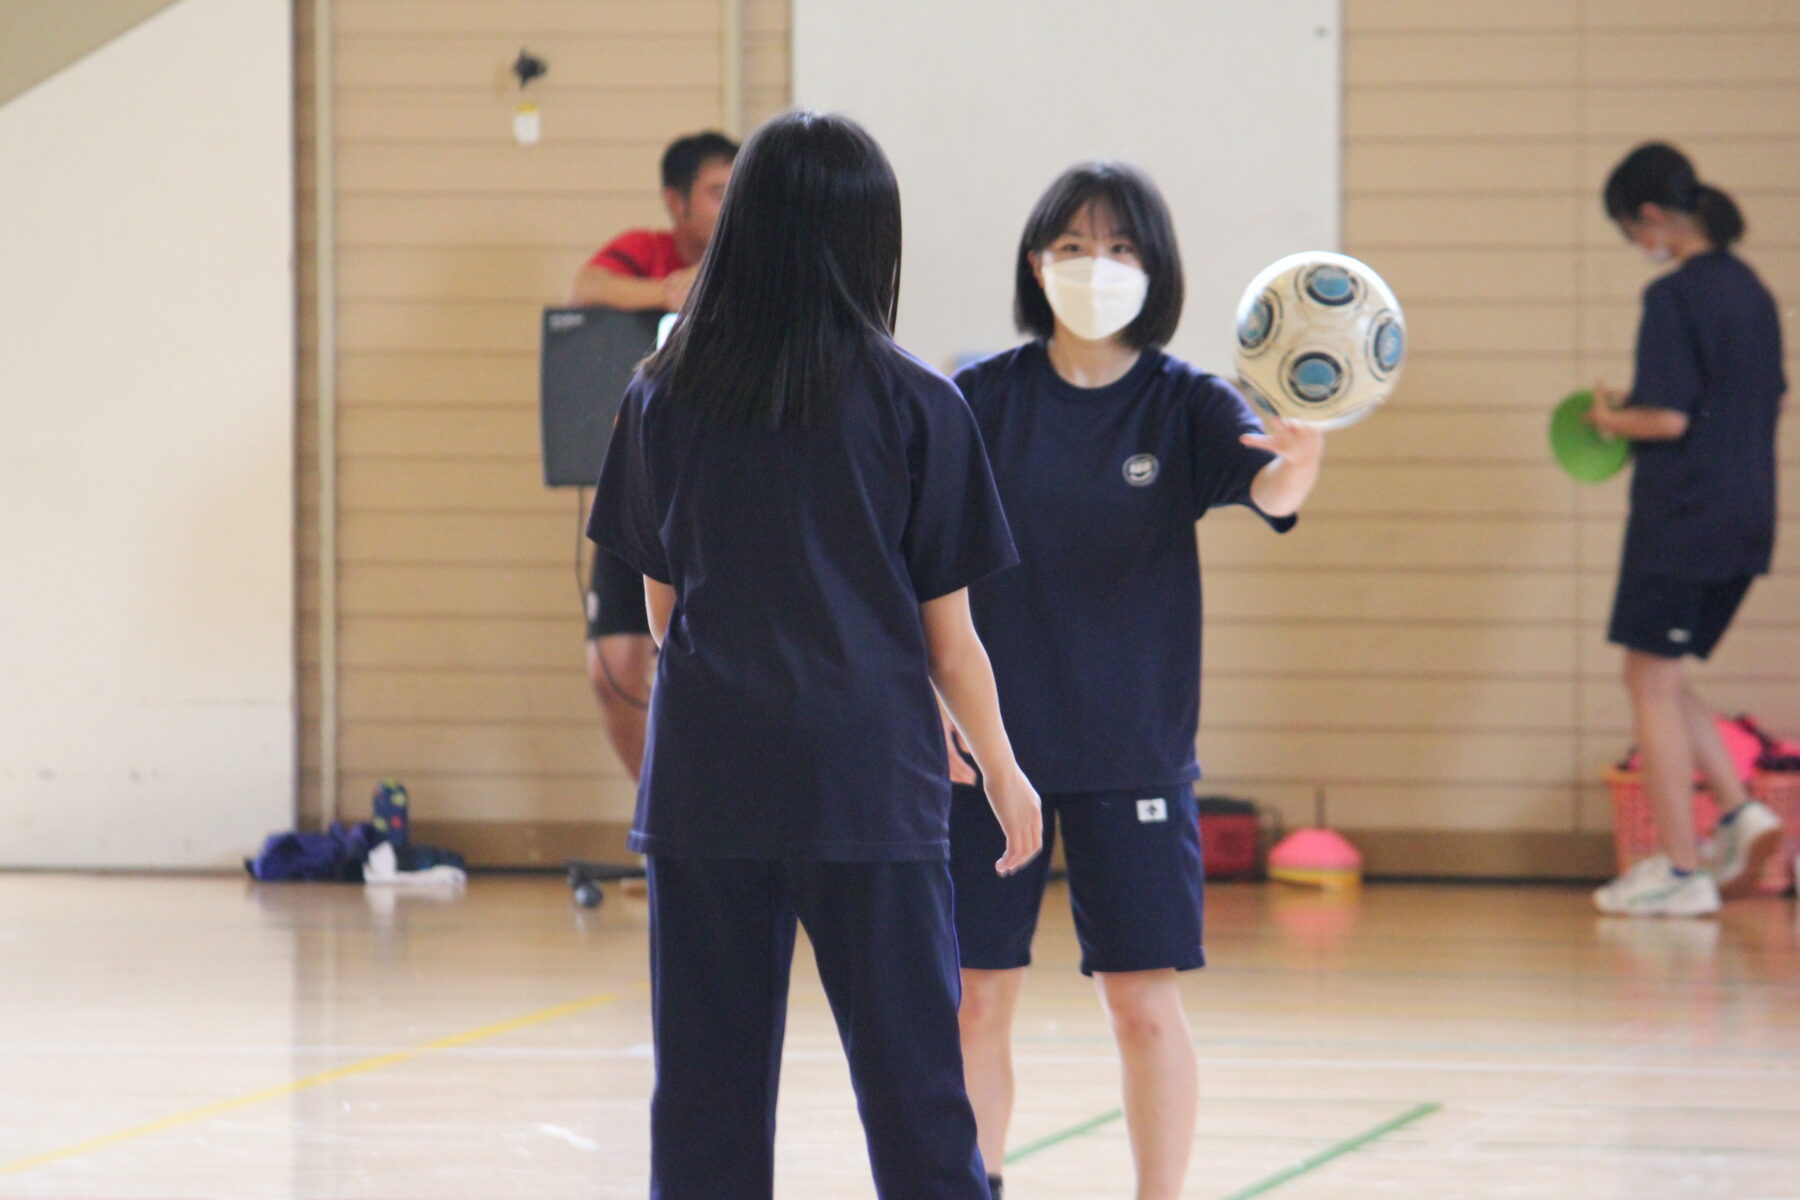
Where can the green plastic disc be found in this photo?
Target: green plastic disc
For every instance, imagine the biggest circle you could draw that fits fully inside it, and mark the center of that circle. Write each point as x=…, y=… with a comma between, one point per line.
x=1583, y=451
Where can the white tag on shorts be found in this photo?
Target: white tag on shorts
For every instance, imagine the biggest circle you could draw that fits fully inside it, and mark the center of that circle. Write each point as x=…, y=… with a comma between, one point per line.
x=1680, y=637
x=1153, y=810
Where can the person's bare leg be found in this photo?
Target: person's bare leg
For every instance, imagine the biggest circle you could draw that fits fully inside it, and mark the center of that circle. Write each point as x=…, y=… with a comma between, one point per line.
x=989, y=1000
x=1709, y=752
x=619, y=667
x=1161, y=1076
x=1665, y=750
x=1743, y=845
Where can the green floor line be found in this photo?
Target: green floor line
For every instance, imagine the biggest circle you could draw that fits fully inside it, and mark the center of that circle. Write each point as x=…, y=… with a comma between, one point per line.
x=1063, y=1135
x=1306, y=1165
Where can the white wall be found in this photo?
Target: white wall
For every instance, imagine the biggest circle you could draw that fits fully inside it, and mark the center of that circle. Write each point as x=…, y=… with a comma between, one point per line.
x=1232, y=107
x=146, y=447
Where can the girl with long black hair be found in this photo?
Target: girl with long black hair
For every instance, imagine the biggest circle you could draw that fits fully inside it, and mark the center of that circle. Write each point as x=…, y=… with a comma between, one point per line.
x=808, y=505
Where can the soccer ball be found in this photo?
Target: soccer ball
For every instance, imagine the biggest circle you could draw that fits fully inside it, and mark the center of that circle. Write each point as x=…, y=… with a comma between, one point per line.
x=1320, y=339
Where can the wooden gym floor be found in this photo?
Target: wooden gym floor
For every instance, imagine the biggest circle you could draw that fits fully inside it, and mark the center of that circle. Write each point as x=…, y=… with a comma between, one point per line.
x=190, y=1037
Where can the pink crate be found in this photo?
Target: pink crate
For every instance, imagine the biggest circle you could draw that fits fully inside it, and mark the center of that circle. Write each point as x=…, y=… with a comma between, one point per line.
x=1634, y=829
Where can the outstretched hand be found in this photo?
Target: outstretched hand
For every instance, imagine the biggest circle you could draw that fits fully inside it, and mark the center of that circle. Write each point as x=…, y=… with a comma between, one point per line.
x=1295, y=441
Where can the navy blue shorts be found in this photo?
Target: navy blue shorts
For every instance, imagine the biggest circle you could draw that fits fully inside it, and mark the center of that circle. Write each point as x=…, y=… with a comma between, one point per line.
x=1671, y=617
x=1134, y=880
x=615, y=598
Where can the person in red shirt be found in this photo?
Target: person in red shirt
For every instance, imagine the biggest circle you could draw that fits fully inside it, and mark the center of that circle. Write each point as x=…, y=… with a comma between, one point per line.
x=653, y=268
x=645, y=269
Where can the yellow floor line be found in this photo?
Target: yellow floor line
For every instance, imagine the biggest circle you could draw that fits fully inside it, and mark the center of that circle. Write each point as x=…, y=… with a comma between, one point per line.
x=311, y=1081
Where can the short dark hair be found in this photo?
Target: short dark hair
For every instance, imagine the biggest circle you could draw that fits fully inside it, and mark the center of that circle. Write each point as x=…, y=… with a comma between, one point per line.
x=682, y=161
x=800, y=281
x=1144, y=216
x=1657, y=173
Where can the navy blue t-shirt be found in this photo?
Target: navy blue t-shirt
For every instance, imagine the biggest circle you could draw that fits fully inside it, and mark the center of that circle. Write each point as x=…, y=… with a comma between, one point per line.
x=1703, y=505
x=1095, y=636
x=793, y=715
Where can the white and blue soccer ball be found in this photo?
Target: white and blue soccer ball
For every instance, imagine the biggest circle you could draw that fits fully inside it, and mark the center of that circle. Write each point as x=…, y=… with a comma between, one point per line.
x=1320, y=339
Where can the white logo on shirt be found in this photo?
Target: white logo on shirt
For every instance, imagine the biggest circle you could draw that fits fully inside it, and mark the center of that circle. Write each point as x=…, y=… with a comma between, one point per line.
x=1153, y=810
x=1141, y=470
x=1680, y=637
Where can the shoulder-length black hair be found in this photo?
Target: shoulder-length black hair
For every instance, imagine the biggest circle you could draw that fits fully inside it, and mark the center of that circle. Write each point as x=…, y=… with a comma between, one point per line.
x=1143, y=216
x=1657, y=173
x=802, y=274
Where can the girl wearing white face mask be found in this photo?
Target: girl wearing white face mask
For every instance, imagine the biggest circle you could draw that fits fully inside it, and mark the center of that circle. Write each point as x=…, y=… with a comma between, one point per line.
x=1106, y=450
x=1701, y=419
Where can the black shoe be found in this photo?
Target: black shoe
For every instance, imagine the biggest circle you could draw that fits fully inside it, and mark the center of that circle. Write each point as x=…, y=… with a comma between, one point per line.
x=996, y=1188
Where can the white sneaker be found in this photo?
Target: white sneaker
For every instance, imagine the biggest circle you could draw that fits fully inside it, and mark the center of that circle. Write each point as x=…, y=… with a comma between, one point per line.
x=1742, y=845
x=1652, y=889
x=1606, y=896
x=1638, y=870
x=1645, y=866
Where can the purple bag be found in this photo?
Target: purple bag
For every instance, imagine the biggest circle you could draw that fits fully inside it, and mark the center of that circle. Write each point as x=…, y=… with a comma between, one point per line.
x=337, y=855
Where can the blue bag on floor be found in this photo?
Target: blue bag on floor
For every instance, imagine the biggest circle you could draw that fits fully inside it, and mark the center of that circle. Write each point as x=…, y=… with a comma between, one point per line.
x=336, y=855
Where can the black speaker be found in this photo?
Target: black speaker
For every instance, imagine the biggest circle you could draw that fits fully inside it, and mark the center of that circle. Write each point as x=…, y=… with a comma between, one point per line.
x=588, y=358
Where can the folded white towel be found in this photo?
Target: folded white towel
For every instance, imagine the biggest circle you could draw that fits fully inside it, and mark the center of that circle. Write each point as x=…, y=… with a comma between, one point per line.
x=382, y=870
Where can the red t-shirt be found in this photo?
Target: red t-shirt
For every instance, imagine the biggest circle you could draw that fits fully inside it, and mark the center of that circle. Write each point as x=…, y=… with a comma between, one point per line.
x=640, y=253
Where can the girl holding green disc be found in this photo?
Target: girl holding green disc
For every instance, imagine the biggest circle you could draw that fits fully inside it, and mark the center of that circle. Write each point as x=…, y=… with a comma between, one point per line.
x=1700, y=418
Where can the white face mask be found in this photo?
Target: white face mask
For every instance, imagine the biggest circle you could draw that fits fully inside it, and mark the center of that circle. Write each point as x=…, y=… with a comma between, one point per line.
x=1652, y=246
x=1095, y=297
